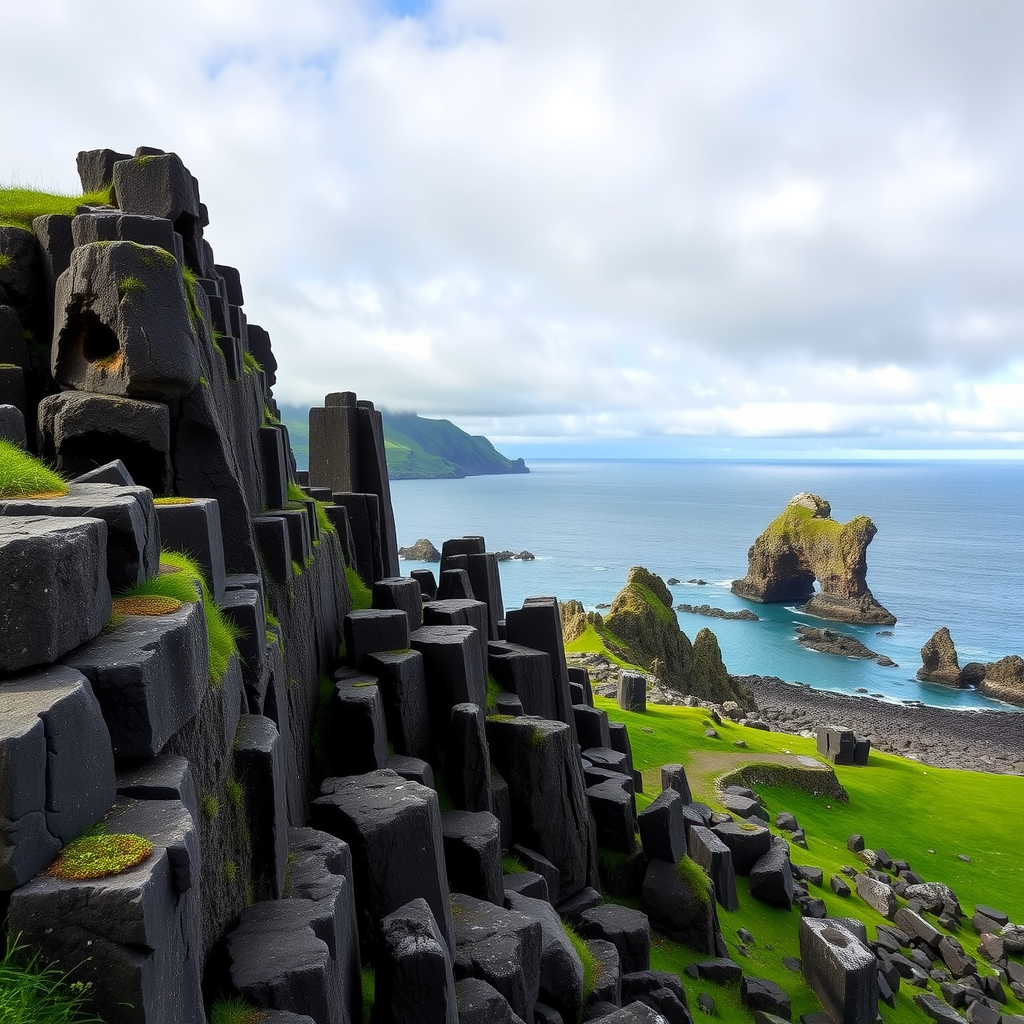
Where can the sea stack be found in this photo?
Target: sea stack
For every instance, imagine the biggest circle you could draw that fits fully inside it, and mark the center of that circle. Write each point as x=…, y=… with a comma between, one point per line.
x=939, y=661
x=805, y=544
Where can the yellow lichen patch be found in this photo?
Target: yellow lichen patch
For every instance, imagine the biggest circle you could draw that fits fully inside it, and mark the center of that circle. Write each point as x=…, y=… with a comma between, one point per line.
x=167, y=569
x=94, y=856
x=146, y=604
x=173, y=501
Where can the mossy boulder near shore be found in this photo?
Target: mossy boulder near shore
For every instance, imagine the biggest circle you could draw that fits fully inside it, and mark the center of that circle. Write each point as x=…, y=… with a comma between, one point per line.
x=805, y=544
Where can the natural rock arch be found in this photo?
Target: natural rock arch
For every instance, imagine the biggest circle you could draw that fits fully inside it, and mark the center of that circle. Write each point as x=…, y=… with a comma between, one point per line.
x=805, y=544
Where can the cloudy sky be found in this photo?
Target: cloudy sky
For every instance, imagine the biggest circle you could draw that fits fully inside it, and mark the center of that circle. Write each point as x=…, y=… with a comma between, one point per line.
x=665, y=227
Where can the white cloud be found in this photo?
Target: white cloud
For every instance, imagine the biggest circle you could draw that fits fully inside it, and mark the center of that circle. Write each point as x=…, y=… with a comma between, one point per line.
x=598, y=218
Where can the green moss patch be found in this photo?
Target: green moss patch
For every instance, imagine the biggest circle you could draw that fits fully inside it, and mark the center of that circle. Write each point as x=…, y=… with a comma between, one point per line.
x=362, y=596
x=235, y=1010
x=24, y=476
x=99, y=855
x=590, y=965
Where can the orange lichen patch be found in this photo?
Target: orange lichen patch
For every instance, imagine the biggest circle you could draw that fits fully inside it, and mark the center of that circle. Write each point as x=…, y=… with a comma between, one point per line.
x=99, y=856
x=173, y=501
x=167, y=570
x=45, y=494
x=111, y=364
x=146, y=604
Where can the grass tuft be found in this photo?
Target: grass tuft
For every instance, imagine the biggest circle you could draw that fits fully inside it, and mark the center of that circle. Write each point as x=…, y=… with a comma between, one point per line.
x=32, y=992
x=584, y=952
x=24, y=476
x=189, y=282
x=20, y=206
x=235, y=1010
x=362, y=596
x=690, y=872
x=511, y=865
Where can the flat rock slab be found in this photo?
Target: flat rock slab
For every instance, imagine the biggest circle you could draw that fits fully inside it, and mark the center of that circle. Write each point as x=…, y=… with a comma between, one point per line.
x=133, y=538
x=56, y=768
x=501, y=947
x=746, y=841
x=134, y=937
x=393, y=828
x=55, y=594
x=149, y=673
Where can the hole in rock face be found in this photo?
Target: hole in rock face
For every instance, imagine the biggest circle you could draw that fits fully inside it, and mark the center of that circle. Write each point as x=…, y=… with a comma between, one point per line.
x=835, y=937
x=90, y=336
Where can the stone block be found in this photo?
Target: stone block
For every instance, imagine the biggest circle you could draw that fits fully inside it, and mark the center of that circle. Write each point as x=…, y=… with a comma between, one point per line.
x=538, y=624
x=452, y=667
x=486, y=583
x=840, y=969
x=400, y=592
x=539, y=864
x=539, y=760
x=374, y=630
x=472, y=853
x=115, y=226
x=608, y=985
x=660, y=991
x=393, y=828
x=333, y=445
x=134, y=938
x=628, y=930
x=454, y=585
x=771, y=877
x=356, y=738
x=561, y=970
x=411, y=768
x=427, y=583
x=591, y=726
x=244, y=608
x=581, y=677
x=12, y=425
x=631, y=692
x=299, y=535
x=467, y=766
x=96, y=167
x=611, y=806
x=275, y=546
x=501, y=947
x=403, y=686
x=837, y=745
x=684, y=911
x=876, y=895
x=747, y=842
x=55, y=594
x=55, y=236
x=461, y=613
x=149, y=674
x=414, y=979
x=607, y=758
x=115, y=472
x=56, y=768
x=480, y=1003
x=526, y=673
x=81, y=431
x=364, y=522
x=661, y=828
x=526, y=883
x=260, y=769
x=135, y=342
x=716, y=859
x=274, y=458
x=133, y=538
x=195, y=529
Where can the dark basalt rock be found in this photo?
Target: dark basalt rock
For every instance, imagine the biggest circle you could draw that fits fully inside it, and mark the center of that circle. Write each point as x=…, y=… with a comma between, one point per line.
x=629, y=930
x=805, y=544
x=840, y=969
x=744, y=615
x=421, y=551
x=828, y=641
x=939, y=662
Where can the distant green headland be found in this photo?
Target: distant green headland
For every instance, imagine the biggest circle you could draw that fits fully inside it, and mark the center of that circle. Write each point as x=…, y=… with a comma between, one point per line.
x=417, y=448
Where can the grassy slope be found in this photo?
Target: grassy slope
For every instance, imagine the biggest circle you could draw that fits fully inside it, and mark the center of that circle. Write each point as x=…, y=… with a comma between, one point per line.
x=901, y=805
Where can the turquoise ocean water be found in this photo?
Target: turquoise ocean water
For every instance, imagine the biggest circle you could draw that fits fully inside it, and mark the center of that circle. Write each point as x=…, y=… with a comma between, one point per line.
x=949, y=550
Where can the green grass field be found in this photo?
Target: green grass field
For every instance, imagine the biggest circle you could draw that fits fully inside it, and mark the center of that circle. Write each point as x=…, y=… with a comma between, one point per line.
x=923, y=815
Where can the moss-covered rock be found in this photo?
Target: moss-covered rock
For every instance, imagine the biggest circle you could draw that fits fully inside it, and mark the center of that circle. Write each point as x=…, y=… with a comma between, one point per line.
x=805, y=544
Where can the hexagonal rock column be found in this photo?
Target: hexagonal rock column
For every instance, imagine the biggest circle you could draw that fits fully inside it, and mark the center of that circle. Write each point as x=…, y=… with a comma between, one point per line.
x=194, y=527
x=452, y=666
x=374, y=629
x=461, y=613
x=526, y=673
x=149, y=673
x=716, y=859
x=122, y=324
x=662, y=833
x=400, y=592
x=673, y=776
x=55, y=593
x=403, y=686
x=134, y=937
x=771, y=877
x=472, y=854
x=628, y=929
x=538, y=624
x=747, y=842
x=356, y=739
x=840, y=969
x=56, y=769
x=80, y=431
x=539, y=761
x=501, y=947
x=631, y=693
x=393, y=828
x=467, y=768
x=414, y=979
x=133, y=539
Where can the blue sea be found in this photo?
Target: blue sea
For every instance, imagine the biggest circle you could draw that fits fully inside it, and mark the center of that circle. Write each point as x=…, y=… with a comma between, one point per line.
x=949, y=551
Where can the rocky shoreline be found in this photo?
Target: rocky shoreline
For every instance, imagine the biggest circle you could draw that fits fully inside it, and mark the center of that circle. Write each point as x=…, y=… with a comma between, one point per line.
x=988, y=741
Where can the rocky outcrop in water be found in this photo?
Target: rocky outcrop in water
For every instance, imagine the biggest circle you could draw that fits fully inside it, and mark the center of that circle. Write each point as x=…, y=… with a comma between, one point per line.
x=421, y=551
x=743, y=615
x=1004, y=680
x=805, y=544
x=828, y=641
x=939, y=662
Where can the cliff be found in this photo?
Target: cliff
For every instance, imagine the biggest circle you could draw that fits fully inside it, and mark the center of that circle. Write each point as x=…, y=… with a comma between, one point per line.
x=805, y=544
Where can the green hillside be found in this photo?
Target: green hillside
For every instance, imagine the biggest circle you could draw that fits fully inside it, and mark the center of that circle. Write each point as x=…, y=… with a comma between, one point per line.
x=417, y=448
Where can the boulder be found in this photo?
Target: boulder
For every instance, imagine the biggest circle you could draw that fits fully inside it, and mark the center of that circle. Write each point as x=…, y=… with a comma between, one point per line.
x=681, y=907
x=480, y=1003
x=661, y=827
x=661, y=991
x=632, y=691
x=1004, y=680
x=629, y=931
x=715, y=858
x=746, y=841
x=805, y=544
x=876, y=895
x=472, y=854
x=771, y=877
x=765, y=995
x=421, y=551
